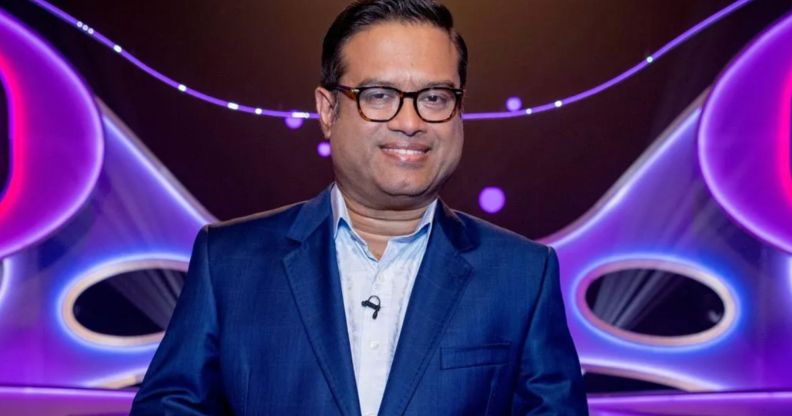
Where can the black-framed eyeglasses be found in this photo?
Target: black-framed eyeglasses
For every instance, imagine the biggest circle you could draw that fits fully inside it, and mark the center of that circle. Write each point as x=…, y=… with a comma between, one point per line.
x=382, y=104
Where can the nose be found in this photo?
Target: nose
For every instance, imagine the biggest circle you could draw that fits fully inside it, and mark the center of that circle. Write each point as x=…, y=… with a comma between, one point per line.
x=407, y=121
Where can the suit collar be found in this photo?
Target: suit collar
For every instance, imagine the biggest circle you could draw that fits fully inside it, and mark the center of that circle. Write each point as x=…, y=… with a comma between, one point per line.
x=442, y=279
x=312, y=214
x=454, y=229
x=313, y=276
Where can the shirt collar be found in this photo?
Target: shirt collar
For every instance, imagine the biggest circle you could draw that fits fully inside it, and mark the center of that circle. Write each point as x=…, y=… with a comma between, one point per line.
x=341, y=215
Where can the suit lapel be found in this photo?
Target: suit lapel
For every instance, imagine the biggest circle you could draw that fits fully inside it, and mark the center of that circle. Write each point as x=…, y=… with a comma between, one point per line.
x=313, y=277
x=440, y=283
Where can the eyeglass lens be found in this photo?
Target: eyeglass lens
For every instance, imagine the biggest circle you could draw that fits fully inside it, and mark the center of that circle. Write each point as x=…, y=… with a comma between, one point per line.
x=434, y=104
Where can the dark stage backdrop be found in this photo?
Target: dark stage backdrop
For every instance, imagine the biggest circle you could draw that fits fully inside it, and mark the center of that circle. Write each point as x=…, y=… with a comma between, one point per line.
x=552, y=166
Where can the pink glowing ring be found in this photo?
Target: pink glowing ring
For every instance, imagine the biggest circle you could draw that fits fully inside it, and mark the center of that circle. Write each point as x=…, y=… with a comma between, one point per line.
x=55, y=137
x=744, y=138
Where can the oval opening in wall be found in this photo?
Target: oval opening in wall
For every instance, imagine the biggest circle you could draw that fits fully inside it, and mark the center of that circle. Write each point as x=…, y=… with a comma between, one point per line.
x=125, y=304
x=657, y=302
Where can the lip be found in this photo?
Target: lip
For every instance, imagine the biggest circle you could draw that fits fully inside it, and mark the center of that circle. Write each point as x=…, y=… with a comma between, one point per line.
x=406, y=152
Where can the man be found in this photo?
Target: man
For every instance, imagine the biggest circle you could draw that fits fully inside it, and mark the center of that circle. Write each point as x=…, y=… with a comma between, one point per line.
x=374, y=297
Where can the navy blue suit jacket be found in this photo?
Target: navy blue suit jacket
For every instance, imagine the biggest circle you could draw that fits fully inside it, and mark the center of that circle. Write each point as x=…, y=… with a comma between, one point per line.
x=260, y=329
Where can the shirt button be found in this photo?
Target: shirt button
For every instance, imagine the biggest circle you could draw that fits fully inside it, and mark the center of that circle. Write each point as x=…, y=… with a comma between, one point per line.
x=374, y=345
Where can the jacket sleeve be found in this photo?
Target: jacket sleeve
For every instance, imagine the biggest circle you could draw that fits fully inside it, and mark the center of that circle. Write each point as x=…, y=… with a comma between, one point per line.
x=550, y=381
x=183, y=378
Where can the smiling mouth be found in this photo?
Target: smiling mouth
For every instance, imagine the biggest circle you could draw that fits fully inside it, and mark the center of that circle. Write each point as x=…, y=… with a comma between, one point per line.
x=405, y=152
x=411, y=154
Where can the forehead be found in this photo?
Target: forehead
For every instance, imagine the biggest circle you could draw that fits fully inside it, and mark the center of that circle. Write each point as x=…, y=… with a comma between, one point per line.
x=401, y=53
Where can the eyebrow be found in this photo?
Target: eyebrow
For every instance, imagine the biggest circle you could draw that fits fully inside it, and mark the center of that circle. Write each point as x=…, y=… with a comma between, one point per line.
x=382, y=83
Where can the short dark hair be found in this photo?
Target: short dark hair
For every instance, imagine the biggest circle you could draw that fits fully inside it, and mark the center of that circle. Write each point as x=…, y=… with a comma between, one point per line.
x=364, y=13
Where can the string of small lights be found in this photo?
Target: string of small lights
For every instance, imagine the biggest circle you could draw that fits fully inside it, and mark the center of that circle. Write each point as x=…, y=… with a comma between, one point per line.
x=294, y=119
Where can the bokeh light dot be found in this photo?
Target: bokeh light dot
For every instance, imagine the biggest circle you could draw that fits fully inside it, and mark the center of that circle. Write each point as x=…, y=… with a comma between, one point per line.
x=492, y=199
x=293, y=122
x=513, y=104
x=323, y=149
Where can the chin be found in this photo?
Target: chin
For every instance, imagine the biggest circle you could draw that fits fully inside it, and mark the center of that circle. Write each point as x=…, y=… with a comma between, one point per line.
x=409, y=196
x=407, y=189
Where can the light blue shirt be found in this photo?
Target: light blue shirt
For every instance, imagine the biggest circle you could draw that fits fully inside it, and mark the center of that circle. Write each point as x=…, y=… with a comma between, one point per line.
x=391, y=278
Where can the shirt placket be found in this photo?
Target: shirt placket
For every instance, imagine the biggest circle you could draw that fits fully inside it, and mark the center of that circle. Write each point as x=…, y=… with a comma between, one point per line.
x=377, y=334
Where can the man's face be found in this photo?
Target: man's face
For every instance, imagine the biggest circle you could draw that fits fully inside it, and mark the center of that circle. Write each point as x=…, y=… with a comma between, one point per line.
x=401, y=163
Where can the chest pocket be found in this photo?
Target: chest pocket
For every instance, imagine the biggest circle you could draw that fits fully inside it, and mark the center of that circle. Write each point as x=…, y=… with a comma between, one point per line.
x=481, y=355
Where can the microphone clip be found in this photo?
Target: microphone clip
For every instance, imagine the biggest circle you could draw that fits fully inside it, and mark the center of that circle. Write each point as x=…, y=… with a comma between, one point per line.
x=369, y=304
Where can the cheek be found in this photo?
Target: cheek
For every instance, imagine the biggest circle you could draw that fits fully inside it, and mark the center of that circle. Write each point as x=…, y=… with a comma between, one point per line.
x=453, y=160
x=454, y=143
x=352, y=142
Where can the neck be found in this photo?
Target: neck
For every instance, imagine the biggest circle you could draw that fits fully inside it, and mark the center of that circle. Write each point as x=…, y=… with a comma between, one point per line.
x=378, y=226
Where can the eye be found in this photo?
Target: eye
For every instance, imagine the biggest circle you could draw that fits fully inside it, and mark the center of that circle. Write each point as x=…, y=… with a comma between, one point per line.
x=378, y=96
x=436, y=98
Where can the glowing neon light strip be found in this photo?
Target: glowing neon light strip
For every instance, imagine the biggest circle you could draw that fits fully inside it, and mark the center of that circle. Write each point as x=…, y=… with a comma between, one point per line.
x=651, y=373
x=556, y=104
x=158, y=75
x=732, y=403
x=65, y=392
x=762, y=396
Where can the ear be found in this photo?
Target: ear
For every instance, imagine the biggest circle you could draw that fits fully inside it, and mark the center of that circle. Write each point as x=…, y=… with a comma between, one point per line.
x=325, y=106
